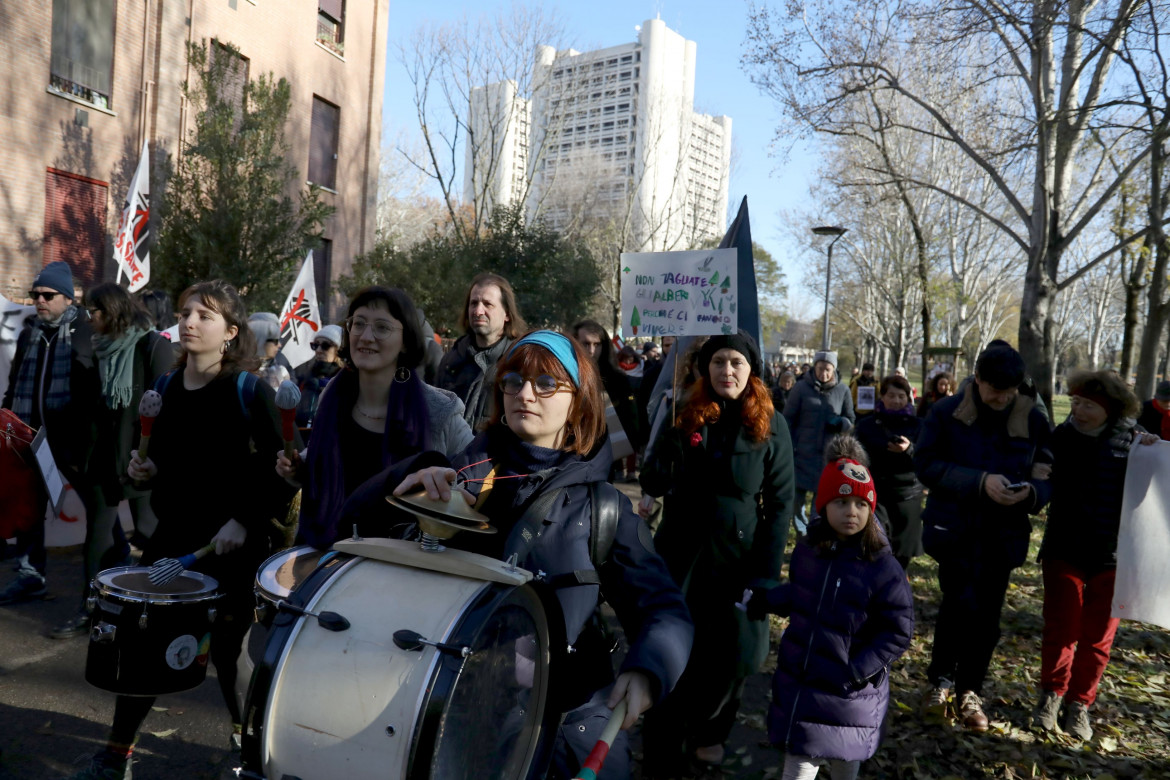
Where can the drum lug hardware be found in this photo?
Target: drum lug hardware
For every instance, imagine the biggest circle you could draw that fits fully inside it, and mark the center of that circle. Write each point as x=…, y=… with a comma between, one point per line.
x=142, y=619
x=90, y=603
x=103, y=633
x=413, y=641
x=356, y=536
x=212, y=614
x=391, y=731
x=570, y=650
x=513, y=559
x=330, y=621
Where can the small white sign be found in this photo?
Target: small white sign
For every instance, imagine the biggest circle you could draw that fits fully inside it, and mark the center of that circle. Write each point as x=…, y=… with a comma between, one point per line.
x=866, y=399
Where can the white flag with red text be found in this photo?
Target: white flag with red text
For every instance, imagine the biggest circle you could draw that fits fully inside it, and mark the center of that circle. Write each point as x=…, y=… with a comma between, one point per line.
x=300, y=317
x=130, y=244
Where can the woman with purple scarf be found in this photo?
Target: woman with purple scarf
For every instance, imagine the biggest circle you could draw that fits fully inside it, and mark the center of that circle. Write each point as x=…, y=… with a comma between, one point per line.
x=888, y=436
x=375, y=412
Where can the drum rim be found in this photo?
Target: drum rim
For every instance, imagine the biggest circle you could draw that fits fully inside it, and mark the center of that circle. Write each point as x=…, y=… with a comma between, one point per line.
x=283, y=555
x=427, y=725
x=103, y=585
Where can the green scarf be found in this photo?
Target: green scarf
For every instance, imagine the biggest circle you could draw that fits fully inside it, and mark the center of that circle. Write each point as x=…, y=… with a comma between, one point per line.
x=116, y=366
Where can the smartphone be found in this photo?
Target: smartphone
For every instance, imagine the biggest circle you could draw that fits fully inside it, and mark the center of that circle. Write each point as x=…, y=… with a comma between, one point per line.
x=1017, y=486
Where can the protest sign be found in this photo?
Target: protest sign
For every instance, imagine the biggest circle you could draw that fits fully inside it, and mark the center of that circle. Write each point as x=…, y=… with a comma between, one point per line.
x=1142, y=589
x=679, y=293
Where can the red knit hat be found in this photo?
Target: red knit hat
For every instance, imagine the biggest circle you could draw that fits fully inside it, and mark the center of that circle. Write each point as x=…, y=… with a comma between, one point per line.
x=845, y=477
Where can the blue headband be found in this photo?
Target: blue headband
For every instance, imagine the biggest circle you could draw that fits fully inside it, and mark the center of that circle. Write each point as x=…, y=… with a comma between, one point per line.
x=560, y=347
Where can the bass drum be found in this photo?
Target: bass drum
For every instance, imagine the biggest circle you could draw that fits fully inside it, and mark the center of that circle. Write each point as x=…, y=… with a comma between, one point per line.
x=358, y=704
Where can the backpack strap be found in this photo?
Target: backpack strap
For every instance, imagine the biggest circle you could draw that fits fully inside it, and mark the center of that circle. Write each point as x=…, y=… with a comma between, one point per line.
x=246, y=392
x=164, y=379
x=606, y=512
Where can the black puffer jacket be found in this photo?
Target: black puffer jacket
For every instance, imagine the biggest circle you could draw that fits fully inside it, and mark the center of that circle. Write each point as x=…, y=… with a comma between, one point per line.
x=1088, y=483
x=963, y=442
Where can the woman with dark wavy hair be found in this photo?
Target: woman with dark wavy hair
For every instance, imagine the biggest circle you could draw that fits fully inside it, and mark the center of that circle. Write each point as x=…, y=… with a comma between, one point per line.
x=727, y=473
x=375, y=412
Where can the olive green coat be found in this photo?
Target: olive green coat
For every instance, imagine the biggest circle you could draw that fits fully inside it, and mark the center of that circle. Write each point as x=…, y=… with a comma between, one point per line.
x=724, y=528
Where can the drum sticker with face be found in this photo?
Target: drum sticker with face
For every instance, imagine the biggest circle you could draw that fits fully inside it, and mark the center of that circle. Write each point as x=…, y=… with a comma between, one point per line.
x=181, y=652
x=204, y=649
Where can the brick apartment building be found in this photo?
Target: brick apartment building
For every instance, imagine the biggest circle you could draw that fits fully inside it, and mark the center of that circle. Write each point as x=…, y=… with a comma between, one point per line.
x=84, y=82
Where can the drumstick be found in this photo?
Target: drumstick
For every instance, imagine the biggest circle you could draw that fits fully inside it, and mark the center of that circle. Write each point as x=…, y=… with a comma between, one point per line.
x=165, y=570
x=288, y=396
x=148, y=409
x=597, y=756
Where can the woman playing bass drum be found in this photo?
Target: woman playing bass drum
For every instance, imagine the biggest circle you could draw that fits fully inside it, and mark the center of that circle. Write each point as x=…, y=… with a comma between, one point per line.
x=538, y=465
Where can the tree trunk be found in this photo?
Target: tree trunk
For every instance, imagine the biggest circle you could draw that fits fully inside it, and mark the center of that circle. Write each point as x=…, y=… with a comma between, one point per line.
x=1133, y=294
x=1036, y=328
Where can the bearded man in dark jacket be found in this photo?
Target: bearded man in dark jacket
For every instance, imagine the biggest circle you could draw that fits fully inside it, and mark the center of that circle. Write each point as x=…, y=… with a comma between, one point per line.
x=491, y=321
x=976, y=454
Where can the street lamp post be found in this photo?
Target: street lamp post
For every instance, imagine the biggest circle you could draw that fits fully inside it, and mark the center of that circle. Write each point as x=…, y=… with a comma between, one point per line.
x=836, y=232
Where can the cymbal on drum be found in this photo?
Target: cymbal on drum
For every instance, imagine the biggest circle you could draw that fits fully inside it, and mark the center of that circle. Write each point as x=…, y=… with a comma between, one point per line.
x=442, y=519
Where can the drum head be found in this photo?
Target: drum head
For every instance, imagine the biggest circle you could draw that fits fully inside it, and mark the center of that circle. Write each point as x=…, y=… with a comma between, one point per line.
x=134, y=582
x=282, y=573
x=496, y=708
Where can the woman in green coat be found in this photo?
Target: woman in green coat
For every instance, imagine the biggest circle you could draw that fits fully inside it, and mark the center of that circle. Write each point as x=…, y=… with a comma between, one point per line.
x=726, y=472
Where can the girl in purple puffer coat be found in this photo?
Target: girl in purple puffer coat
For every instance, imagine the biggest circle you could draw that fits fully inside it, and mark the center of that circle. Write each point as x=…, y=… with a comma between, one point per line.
x=851, y=616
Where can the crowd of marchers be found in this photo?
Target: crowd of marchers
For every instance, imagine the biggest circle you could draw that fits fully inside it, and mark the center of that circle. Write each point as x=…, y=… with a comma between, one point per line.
x=532, y=427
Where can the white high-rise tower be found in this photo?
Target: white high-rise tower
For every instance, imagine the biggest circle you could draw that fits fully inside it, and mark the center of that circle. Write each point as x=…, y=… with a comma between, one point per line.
x=610, y=133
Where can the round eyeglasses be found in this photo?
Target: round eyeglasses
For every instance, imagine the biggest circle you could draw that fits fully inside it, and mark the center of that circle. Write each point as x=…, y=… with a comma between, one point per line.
x=382, y=329
x=544, y=385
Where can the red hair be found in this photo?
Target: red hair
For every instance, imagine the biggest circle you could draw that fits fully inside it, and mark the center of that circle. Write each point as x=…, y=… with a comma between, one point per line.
x=702, y=408
x=585, y=424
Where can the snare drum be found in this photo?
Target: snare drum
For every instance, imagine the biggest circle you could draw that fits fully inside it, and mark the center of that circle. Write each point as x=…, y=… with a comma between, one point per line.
x=147, y=639
x=359, y=703
x=281, y=574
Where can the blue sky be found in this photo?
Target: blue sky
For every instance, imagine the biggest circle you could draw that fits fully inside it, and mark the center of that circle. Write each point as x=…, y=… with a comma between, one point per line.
x=721, y=87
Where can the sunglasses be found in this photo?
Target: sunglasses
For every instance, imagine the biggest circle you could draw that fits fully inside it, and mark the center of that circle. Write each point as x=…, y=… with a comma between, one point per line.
x=48, y=296
x=544, y=385
x=322, y=345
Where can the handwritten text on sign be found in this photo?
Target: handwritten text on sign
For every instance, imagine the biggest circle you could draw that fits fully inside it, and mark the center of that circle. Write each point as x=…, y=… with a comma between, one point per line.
x=679, y=293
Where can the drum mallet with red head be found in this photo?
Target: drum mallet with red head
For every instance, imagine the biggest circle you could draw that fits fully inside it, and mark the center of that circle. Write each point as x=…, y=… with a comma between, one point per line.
x=596, y=758
x=148, y=409
x=288, y=397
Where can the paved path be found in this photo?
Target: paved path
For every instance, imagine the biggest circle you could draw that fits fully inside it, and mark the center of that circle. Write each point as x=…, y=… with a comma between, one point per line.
x=52, y=720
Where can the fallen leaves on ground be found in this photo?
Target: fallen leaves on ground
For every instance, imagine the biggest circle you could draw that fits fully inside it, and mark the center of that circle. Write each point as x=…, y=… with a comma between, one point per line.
x=1131, y=718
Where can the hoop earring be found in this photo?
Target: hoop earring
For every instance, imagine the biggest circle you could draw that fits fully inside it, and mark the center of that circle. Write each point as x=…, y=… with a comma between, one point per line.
x=402, y=374
x=223, y=350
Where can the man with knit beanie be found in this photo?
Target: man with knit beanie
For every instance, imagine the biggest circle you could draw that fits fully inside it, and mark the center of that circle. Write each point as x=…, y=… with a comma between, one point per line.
x=53, y=383
x=976, y=453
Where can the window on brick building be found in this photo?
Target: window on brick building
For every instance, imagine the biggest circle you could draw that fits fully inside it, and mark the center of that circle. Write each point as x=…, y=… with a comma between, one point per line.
x=322, y=273
x=331, y=24
x=82, y=59
x=232, y=87
x=75, y=216
x=323, y=133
